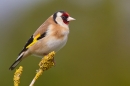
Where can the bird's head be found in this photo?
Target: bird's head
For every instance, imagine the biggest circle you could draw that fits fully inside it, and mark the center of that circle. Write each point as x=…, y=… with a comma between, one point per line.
x=62, y=17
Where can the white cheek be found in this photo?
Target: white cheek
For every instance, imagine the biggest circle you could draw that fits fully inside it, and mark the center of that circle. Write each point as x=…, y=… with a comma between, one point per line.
x=60, y=22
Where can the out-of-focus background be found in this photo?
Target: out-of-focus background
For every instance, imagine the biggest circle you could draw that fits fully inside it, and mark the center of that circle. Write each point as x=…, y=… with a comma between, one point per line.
x=97, y=52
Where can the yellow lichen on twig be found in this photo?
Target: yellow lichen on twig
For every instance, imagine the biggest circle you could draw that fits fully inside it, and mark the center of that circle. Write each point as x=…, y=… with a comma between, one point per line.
x=46, y=63
x=17, y=75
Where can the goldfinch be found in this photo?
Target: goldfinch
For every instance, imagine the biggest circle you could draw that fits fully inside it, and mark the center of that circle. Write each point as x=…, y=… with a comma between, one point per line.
x=51, y=36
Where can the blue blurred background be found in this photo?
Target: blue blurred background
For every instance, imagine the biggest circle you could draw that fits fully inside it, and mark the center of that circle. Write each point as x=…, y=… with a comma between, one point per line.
x=97, y=52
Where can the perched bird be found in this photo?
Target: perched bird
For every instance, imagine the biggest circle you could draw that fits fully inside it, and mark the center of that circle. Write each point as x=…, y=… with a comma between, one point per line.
x=51, y=36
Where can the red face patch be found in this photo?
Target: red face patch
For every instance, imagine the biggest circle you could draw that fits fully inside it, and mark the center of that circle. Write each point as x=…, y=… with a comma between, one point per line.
x=64, y=16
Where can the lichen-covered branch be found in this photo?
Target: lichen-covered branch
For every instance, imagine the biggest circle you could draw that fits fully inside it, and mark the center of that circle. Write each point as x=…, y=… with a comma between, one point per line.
x=17, y=75
x=46, y=63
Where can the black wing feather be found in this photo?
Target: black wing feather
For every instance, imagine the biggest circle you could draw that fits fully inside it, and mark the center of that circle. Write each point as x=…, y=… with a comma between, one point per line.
x=31, y=40
x=27, y=43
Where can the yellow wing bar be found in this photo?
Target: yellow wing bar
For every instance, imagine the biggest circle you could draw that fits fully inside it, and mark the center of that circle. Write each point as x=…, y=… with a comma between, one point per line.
x=34, y=40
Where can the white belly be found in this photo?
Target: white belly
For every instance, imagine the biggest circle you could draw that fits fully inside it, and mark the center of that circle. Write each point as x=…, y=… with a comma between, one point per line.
x=55, y=44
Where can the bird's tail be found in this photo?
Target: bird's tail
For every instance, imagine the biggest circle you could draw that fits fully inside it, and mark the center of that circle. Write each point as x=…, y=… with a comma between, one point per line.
x=18, y=60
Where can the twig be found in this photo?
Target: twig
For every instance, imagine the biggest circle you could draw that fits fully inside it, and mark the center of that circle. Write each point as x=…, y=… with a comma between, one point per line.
x=46, y=63
x=17, y=75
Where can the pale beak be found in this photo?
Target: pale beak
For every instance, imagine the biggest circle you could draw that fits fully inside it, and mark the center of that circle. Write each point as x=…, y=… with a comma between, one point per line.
x=70, y=19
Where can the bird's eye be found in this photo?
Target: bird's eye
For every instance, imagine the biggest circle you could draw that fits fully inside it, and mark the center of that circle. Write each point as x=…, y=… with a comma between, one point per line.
x=63, y=17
